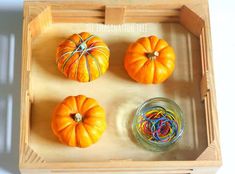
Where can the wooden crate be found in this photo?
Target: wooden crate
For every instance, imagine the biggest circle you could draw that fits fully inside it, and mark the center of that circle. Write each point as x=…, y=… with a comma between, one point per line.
x=184, y=24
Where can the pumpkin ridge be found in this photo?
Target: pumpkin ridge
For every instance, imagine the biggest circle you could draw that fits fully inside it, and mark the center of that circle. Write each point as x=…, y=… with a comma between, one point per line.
x=137, y=71
x=98, y=133
x=90, y=107
x=88, y=68
x=133, y=54
x=61, y=115
x=97, y=64
x=65, y=44
x=74, y=60
x=77, y=135
x=154, y=73
x=106, y=56
x=98, y=46
x=81, y=102
x=76, y=72
x=65, y=53
x=82, y=107
x=166, y=69
x=143, y=43
x=67, y=59
x=164, y=48
x=136, y=74
x=88, y=133
x=70, y=39
x=81, y=39
x=161, y=48
x=93, y=43
x=96, y=42
x=61, y=56
x=90, y=136
x=71, y=137
x=67, y=106
x=75, y=103
x=62, y=48
x=95, y=126
x=87, y=39
x=159, y=61
x=54, y=127
x=78, y=59
x=97, y=106
x=138, y=60
x=62, y=129
x=153, y=40
x=142, y=46
x=70, y=106
x=168, y=47
x=148, y=40
x=151, y=65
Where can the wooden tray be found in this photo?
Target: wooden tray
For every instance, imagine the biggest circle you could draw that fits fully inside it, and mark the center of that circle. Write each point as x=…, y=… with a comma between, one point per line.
x=191, y=86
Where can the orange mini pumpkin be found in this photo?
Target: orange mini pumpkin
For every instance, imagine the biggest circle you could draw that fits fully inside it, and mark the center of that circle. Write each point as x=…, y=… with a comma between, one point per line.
x=83, y=57
x=78, y=121
x=149, y=60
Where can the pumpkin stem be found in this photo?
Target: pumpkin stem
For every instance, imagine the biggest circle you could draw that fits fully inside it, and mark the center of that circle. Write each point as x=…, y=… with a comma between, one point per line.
x=77, y=117
x=153, y=55
x=83, y=46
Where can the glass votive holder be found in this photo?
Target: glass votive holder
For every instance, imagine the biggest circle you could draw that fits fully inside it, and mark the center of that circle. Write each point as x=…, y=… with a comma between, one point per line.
x=158, y=123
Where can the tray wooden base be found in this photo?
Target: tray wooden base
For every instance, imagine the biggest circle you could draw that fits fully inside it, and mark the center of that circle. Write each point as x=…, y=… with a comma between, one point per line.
x=117, y=93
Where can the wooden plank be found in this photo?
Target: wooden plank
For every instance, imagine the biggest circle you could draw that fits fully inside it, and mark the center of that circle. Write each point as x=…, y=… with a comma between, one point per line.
x=204, y=48
x=212, y=87
x=191, y=21
x=34, y=11
x=69, y=19
x=134, y=3
x=151, y=12
x=210, y=118
x=205, y=84
x=202, y=55
x=76, y=6
x=210, y=153
x=31, y=156
x=146, y=171
x=24, y=67
x=114, y=14
x=125, y=165
x=77, y=13
x=151, y=19
x=40, y=22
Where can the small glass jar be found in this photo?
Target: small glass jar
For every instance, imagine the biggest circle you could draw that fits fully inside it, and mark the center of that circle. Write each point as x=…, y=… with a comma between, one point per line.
x=158, y=123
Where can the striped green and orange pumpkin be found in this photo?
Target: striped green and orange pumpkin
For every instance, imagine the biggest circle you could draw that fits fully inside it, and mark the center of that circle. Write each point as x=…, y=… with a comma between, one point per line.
x=83, y=57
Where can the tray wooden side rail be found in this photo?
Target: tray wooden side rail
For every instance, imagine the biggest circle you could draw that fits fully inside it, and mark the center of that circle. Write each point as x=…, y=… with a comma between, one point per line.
x=193, y=15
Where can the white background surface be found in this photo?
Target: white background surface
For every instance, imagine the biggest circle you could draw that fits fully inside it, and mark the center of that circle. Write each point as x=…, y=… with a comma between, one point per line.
x=222, y=15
